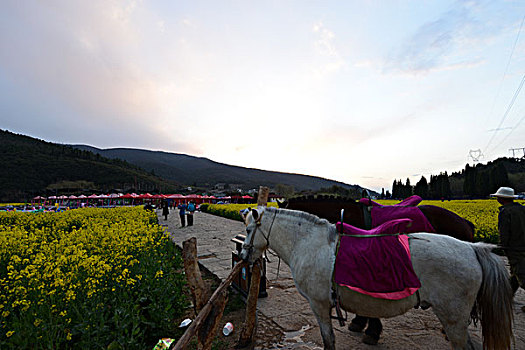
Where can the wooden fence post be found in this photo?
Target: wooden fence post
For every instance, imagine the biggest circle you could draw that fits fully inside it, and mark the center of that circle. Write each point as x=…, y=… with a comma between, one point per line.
x=207, y=332
x=246, y=337
x=193, y=273
x=201, y=317
x=262, y=196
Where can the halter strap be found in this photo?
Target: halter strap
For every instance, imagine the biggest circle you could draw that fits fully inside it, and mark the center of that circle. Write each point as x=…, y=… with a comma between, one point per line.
x=267, y=238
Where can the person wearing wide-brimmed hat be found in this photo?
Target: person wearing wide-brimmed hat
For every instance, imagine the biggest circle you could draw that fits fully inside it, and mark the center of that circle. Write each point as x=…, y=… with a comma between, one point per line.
x=511, y=226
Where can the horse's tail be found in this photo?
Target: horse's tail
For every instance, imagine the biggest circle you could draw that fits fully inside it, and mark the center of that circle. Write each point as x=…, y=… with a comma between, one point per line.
x=494, y=300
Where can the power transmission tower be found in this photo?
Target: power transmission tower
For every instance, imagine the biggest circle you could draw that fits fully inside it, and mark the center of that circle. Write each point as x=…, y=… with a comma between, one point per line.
x=475, y=155
x=517, y=150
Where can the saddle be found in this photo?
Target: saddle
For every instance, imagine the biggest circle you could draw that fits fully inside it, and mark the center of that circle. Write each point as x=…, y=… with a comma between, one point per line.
x=377, y=214
x=411, y=201
x=376, y=262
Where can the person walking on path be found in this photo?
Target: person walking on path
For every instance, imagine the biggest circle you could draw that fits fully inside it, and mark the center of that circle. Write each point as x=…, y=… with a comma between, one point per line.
x=511, y=226
x=165, y=210
x=191, y=210
x=182, y=213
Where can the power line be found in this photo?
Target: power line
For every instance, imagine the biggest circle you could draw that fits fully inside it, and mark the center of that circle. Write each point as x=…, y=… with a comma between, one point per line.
x=511, y=131
x=509, y=107
x=506, y=69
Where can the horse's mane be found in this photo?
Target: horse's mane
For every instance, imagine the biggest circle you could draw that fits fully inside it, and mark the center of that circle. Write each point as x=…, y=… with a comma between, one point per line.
x=299, y=214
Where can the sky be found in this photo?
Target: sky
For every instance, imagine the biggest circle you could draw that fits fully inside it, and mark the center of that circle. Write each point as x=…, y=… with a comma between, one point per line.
x=363, y=92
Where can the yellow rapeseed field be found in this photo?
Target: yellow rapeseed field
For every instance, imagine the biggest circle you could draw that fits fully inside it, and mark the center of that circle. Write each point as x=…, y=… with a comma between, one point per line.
x=86, y=278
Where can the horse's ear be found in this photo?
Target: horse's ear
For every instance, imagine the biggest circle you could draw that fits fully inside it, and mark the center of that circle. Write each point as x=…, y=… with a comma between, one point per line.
x=257, y=216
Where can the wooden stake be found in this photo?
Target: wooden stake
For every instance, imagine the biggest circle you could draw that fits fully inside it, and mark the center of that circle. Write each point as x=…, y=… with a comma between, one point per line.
x=208, y=330
x=199, y=320
x=193, y=273
x=247, y=335
x=262, y=196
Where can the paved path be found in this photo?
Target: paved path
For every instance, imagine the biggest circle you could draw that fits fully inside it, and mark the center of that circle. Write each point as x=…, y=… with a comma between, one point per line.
x=285, y=316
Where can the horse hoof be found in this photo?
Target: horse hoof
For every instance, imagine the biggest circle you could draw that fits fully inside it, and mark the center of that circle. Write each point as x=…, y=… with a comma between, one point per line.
x=370, y=340
x=354, y=327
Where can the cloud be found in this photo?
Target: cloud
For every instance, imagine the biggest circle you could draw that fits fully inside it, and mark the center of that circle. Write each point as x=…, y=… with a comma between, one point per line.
x=325, y=47
x=91, y=59
x=455, y=40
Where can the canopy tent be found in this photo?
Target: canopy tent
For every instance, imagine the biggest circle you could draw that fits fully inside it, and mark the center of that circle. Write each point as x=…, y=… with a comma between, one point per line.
x=39, y=200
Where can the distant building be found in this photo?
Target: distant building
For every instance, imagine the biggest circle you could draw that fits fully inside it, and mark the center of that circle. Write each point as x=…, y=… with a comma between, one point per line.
x=220, y=186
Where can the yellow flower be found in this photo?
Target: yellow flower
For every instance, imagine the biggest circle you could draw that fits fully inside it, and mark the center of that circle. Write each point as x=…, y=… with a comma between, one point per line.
x=37, y=322
x=10, y=333
x=5, y=313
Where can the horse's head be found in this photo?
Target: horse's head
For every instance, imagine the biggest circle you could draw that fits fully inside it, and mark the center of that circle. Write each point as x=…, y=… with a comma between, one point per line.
x=256, y=240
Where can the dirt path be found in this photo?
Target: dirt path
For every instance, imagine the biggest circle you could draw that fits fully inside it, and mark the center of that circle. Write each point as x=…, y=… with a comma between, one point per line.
x=285, y=320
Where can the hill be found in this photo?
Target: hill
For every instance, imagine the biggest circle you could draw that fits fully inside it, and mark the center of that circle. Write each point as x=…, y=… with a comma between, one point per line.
x=203, y=172
x=33, y=167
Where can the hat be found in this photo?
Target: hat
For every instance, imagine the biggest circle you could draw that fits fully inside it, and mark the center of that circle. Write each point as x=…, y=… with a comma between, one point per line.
x=504, y=192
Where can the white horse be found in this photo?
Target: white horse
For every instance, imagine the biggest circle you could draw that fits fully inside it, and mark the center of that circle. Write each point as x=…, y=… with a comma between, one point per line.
x=456, y=277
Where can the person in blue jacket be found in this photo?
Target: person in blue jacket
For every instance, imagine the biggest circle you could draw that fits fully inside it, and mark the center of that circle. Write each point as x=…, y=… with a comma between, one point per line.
x=191, y=211
x=182, y=213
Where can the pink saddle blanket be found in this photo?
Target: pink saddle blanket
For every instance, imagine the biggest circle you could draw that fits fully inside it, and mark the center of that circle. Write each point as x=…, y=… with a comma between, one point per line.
x=405, y=209
x=379, y=266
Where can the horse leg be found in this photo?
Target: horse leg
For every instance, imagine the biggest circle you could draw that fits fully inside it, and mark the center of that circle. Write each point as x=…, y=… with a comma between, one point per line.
x=322, y=313
x=514, y=283
x=358, y=323
x=455, y=323
x=373, y=331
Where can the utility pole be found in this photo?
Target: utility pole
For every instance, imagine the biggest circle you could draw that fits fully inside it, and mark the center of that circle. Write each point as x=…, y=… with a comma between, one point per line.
x=517, y=150
x=475, y=155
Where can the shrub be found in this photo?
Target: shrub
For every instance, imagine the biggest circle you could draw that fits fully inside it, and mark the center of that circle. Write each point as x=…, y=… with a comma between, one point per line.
x=231, y=211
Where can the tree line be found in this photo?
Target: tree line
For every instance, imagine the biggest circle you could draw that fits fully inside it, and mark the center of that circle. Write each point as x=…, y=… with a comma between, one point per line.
x=438, y=187
x=477, y=181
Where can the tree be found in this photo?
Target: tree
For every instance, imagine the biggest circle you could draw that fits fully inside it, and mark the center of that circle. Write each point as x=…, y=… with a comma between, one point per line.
x=440, y=186
x=469, y=184
x=284, y=190
x=421, y=188
x=498, y=177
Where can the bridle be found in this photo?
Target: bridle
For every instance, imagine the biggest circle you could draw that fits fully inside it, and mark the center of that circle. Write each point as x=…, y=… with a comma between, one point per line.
x=249, y=246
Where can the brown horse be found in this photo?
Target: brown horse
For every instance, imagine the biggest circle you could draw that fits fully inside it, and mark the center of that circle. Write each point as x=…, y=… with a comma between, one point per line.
x=328, y=207
x=357, y=214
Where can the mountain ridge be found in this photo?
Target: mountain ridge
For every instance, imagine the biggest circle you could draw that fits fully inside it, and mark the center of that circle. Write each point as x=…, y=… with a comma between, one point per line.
x=32, y=167
x=201, y=171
